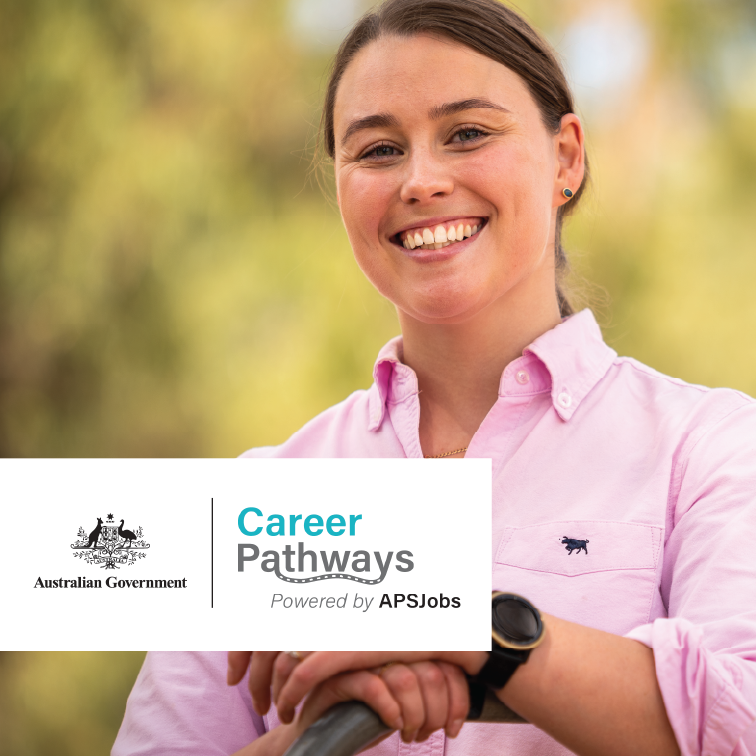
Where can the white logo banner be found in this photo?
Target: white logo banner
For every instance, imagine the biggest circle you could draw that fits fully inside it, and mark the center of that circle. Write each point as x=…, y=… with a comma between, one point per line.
x=250, y=554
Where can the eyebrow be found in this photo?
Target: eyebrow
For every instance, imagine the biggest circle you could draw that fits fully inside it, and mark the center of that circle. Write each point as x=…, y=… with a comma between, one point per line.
x=377, y=121
x=450, y=108
x=386, y=120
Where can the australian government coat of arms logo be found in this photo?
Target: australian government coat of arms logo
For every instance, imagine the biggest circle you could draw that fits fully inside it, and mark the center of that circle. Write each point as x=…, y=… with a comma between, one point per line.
x=110, y=544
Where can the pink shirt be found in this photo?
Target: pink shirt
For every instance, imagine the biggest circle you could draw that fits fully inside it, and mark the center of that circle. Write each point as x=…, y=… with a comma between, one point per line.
x=657, y=476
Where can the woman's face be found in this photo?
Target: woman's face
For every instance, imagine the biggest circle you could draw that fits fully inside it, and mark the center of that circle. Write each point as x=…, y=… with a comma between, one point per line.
x=434, y=141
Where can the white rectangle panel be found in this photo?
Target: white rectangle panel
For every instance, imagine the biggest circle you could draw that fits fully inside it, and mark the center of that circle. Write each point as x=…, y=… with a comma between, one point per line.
x=170, y=577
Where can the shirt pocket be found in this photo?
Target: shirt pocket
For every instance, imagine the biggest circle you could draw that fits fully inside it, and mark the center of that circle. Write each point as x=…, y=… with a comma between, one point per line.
x=607, y=582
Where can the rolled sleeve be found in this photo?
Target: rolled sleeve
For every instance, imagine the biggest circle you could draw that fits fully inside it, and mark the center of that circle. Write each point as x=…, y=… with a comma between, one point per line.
x=708, y=695
x=705, y=651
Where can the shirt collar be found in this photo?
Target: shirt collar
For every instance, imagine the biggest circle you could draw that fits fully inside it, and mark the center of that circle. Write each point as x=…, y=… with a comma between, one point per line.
x=393, y=381
x=573, y=353
x=576, y=357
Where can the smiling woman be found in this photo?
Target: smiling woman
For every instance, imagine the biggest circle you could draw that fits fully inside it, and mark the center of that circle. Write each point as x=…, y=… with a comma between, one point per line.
x=456, y=154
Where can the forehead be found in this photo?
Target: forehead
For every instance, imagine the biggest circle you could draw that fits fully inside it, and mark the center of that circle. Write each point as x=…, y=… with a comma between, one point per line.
x=417, y=73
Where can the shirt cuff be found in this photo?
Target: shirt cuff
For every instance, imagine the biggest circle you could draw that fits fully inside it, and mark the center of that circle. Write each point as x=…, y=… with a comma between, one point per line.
x=702, y=690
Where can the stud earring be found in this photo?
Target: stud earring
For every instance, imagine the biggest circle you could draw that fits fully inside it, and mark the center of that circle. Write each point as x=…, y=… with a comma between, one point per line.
x=567, y=193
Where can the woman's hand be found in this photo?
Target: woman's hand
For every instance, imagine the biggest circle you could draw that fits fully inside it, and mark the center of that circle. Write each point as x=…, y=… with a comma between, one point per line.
x=417, y=697
x=292, y=679
x=292, y=684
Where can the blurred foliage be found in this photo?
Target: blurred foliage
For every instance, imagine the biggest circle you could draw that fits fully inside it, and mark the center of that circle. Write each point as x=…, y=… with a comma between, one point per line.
x=68, y=704
x=174, y=283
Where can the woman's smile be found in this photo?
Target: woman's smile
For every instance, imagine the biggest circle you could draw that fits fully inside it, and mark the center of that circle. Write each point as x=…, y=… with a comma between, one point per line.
x=434, y=233
x=423, y=242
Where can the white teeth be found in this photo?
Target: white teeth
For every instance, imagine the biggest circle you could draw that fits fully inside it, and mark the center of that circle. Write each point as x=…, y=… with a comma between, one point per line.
x=439, y=237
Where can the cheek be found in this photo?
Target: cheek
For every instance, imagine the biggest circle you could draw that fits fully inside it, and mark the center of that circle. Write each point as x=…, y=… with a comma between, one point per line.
x=519, y=184
x=512, y=178
x=364, y=198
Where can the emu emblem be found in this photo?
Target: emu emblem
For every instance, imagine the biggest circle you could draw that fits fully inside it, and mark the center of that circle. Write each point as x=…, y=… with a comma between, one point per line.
x=572, y=544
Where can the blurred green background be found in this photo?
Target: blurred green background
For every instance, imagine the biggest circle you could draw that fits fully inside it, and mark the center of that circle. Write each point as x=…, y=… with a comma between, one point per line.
x=173, y=282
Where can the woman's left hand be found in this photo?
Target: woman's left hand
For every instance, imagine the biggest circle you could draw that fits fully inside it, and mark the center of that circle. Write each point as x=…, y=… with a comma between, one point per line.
x=292, y=679
x=428, y=695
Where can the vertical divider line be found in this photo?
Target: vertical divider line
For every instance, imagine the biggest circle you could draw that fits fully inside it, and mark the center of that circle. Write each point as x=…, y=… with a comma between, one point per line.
x=212, y=556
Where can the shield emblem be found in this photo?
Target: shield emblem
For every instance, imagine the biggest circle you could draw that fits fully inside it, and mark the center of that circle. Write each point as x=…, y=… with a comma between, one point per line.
x=110, y=534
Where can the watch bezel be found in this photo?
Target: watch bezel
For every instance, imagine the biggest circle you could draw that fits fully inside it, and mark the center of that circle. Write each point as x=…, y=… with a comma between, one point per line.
x=504, y=642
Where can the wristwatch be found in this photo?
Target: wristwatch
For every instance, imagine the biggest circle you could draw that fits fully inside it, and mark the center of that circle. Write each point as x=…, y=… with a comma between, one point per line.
x=516, y=629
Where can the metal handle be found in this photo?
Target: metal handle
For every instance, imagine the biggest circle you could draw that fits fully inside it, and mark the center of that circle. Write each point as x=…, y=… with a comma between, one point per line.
x=345, y=729
x=348, y=727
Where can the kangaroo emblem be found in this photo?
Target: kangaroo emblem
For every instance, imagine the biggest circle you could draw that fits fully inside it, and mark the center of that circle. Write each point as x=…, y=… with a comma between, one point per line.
x=94, y=536
x=572, y=544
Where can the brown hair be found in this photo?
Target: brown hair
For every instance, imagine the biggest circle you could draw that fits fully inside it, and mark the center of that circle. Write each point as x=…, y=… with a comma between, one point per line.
x=489, y=28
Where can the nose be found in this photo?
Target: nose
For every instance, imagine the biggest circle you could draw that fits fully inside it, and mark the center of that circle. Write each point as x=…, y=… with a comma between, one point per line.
x=426, y=178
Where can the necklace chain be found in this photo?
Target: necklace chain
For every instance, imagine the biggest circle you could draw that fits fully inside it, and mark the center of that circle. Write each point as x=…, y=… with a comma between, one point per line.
x=445, y=454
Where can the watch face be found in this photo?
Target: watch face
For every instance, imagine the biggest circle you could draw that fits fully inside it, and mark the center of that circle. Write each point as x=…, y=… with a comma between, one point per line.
x=516, y=621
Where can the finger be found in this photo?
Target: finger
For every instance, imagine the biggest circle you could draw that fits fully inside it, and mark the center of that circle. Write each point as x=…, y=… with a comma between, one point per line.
x=433, y=688
x=260, y=678
x=321, y=665
x=458, y=691
x=404, y=686
x=238, y=661
x=353, y=686
x=284, y=665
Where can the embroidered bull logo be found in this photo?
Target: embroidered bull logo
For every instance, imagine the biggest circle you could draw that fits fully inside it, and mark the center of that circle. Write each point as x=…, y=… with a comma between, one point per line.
x=572, y=544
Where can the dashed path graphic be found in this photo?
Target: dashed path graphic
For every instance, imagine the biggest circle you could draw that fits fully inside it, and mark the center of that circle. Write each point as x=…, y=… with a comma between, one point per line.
x=329, y=576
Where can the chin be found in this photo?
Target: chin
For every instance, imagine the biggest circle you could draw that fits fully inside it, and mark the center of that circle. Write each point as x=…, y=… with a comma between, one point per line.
x=449, y=307
x=448, y=299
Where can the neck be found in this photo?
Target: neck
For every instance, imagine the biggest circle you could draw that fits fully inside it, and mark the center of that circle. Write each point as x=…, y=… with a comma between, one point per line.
x=459, y=366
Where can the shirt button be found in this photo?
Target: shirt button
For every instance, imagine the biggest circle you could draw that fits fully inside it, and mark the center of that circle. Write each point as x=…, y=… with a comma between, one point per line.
x=564, y=399
x=522, y=377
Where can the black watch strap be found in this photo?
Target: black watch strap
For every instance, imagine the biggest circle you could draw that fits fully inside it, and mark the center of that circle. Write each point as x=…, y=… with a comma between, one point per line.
x=501, y=665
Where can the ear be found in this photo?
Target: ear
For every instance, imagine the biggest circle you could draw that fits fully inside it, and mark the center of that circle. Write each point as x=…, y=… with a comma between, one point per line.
x=569, y=151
